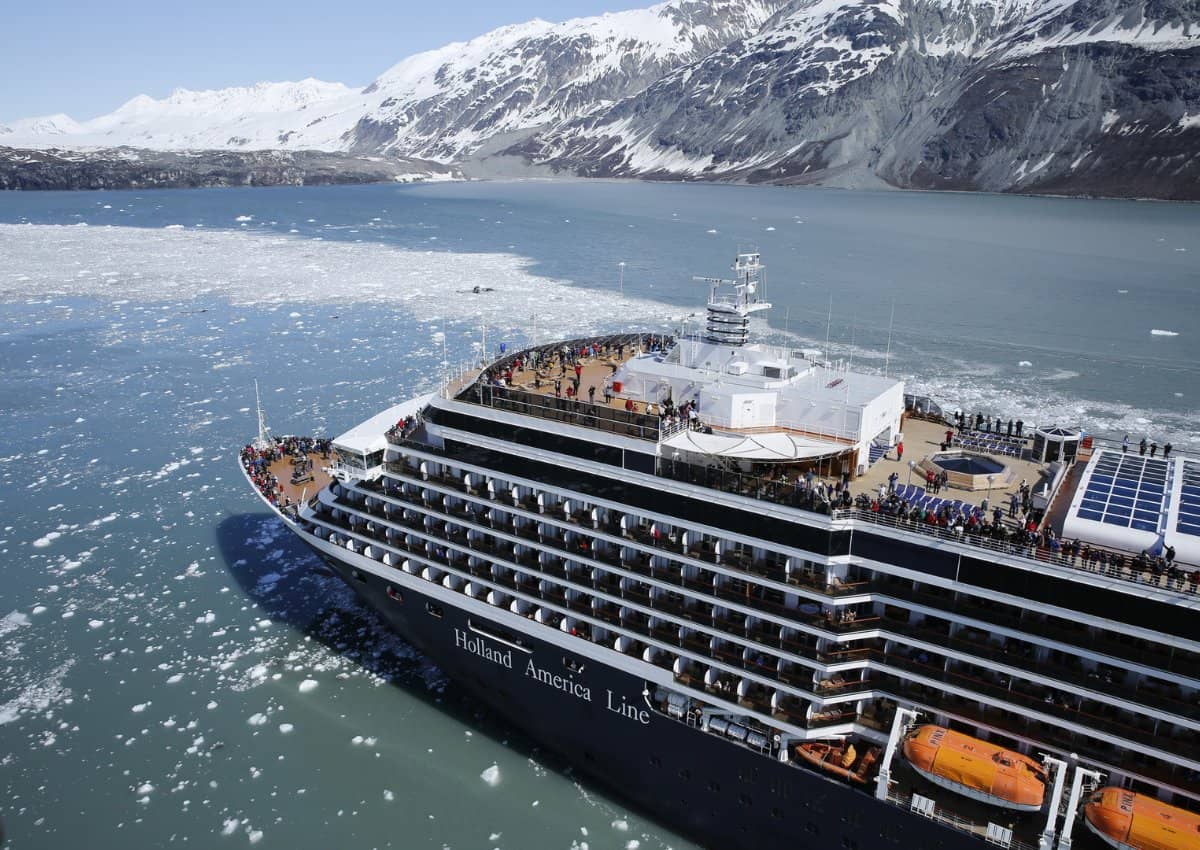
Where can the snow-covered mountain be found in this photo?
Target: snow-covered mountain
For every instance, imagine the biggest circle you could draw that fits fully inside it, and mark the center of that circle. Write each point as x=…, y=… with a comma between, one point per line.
x=1030, y=95
x=438, y=105
x=1071, y=96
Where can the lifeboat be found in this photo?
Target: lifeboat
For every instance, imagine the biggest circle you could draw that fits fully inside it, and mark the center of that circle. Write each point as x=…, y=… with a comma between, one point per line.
x=976, y=769
x=1130, y=821
x=840, y=759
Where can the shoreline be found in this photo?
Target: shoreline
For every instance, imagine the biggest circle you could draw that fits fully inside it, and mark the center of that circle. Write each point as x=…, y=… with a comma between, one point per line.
x=455, y=172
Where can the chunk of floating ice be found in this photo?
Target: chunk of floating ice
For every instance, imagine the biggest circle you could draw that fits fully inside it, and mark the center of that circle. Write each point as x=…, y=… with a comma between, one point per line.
x=15, y=620
x=144, y=789
x=1154, y=332
x=1025, y=363
x=711, y=230
x=229, y=827
x=770, y=229
x=211, y=705
x=95, y=624
x=244, y=218
x=632, y=844
x=389, y=796
x=308, y=685
x=286, y=728
x=47, y=539
x=621, y=825
x=257, y=719
x=491, y=776
x=255, y=836
x=172, y=680
x=140, y=707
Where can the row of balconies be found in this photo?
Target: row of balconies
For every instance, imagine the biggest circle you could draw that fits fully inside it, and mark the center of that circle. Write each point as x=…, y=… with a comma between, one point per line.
x=752, y=694
x=839, y=621
x=771, y=567
x=1027, y=621
x=639, y=623
x=628, y=525
x=755, y=596
x=1123, y=647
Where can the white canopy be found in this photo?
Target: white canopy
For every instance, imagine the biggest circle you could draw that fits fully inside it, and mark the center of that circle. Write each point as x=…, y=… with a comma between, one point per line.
x=772, y=446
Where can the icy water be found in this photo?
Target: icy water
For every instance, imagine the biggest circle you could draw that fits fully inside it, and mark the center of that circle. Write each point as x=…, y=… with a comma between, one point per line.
x=174, y=669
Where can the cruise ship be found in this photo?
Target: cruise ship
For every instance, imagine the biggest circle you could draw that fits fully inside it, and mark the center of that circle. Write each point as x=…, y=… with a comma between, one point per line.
x=777, y=603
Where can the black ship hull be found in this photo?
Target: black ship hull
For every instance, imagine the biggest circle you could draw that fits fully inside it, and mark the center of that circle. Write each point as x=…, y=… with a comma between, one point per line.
x=721, y=794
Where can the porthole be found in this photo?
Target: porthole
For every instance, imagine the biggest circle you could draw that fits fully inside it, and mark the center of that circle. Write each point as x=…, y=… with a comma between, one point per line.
x=434, y=610
x=394, y=594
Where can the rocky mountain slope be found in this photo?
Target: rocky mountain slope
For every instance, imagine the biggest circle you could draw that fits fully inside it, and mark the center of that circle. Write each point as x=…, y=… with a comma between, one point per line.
x=130, y=168
x=438, y=105
x=1091, y=96
x=1063, y=96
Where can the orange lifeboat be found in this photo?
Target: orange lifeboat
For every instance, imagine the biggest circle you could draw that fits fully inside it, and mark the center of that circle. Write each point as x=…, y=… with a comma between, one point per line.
x=976, y=769
x=1130, y=821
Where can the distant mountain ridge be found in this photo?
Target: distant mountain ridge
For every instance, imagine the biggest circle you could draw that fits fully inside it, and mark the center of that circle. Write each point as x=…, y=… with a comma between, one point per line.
x=1063, y=96
x=439, y=105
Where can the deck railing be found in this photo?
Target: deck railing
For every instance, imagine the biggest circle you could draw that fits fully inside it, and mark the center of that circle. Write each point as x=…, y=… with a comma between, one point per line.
x=1108, y=563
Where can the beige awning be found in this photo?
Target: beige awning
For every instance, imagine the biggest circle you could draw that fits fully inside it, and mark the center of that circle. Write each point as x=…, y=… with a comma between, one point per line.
x=773, y=446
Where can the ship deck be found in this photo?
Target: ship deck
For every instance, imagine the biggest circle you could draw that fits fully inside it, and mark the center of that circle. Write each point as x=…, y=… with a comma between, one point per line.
x=543, y=393
x=291, y=486
x=296, y=492
x=923, y=439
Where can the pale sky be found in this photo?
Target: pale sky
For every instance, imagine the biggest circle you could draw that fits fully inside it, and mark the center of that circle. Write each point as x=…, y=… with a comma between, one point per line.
x=86, y=58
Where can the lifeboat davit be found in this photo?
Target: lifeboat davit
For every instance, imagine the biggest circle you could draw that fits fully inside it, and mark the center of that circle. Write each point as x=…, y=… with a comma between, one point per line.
x=1130, y=821
x=976, y=769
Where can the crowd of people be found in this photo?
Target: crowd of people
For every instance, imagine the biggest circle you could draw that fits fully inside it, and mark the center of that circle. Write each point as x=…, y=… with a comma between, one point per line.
x=1144, y=446
x=257, y=462
x=987, y=425
x=404, y=427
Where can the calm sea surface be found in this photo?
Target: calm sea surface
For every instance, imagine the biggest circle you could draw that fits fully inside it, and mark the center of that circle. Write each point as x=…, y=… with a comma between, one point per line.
x=172, y=668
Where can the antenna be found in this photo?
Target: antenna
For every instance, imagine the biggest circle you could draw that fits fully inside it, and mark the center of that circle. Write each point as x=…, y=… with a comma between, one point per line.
x=887, y=358
x=264, y=433
x=828, y=328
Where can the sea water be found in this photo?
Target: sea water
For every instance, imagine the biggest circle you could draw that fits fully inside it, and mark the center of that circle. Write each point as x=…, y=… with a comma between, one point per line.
x=174, y=669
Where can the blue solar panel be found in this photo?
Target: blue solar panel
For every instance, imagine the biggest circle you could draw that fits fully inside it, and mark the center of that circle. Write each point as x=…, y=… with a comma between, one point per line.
x=1189, y=500
x=1127, y=491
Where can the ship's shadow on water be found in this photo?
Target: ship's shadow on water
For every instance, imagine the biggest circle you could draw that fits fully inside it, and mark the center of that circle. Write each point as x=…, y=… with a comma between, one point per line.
x=293, y=587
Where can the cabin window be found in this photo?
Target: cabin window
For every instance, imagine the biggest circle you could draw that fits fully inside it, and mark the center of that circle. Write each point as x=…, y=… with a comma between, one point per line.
x=358, y=575
x=394, y=594
x=434, y=610
x=573, y=665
